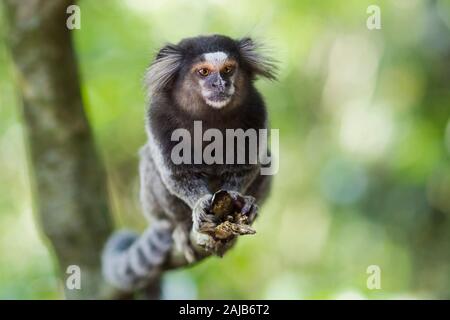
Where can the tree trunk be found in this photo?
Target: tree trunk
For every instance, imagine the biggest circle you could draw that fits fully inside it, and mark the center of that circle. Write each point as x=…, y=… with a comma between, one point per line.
x=69, y=178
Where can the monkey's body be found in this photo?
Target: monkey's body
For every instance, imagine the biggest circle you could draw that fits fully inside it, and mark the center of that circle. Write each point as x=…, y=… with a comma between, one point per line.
x=176, y=197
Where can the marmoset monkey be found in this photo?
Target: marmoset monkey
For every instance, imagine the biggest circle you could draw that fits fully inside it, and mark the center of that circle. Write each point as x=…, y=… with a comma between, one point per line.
x=208, y=79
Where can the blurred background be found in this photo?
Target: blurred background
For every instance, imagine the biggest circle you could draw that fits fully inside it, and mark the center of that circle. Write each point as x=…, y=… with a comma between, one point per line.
x=364, y=120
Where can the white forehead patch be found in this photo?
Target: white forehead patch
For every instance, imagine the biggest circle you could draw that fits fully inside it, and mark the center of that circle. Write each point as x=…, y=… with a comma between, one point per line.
x=216, y=58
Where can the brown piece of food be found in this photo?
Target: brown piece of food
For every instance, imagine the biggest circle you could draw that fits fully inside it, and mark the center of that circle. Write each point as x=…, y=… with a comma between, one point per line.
x=233, y=222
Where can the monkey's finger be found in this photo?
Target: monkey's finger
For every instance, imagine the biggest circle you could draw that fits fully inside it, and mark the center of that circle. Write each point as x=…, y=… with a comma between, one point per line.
x=207, y=227
x=253, y=213
x=249, y=202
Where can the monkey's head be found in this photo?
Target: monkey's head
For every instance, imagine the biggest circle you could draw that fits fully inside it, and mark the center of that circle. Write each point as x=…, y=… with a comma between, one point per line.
x=208, y=71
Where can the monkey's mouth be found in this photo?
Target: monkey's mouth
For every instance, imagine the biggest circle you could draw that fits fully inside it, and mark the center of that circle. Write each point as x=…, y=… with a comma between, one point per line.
x=219, y=96
x=218, y=100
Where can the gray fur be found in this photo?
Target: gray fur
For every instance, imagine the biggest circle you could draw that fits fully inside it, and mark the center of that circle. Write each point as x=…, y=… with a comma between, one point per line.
x=129, y=260
x=163, y=69
x=262, y=64
x=188, y=188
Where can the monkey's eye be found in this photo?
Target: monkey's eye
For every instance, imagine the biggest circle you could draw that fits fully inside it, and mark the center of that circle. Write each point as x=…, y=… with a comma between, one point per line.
x=228, y=69
x=203, y=72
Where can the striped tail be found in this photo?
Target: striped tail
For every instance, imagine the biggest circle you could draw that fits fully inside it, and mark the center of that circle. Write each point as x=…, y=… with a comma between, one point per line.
x=130, y=260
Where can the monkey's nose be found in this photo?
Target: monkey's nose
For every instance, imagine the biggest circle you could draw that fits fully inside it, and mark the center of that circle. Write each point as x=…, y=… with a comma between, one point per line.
x=220, y=85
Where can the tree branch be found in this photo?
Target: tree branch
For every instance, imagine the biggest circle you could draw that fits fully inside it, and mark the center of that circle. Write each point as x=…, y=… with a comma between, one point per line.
x=70, y=181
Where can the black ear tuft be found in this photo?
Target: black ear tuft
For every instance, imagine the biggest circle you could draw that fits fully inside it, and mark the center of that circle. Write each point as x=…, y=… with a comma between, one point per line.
x=166, y=65
x=259, y=63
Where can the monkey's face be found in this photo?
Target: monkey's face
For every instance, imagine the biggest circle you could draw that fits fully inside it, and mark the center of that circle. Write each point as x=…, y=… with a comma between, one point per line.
x=208, y=72
x=214, y=76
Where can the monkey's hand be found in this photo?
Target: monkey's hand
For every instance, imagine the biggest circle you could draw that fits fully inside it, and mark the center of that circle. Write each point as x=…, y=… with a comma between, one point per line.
x=246, y=205
x=203, y=222
x=219, y=219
